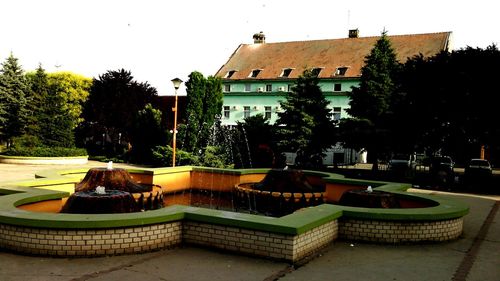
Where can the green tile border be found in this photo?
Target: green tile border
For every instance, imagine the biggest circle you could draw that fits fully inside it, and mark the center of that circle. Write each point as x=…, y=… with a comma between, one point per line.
x=22, y=192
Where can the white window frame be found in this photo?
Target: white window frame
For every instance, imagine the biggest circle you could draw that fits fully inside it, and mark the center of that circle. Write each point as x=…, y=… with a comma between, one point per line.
x=246, y=111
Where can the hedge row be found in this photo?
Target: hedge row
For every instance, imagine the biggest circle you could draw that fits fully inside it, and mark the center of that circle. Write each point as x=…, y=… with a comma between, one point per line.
x=45, y=151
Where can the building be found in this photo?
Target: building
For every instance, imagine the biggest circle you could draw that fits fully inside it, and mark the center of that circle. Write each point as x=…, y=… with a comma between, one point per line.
x=257, y=76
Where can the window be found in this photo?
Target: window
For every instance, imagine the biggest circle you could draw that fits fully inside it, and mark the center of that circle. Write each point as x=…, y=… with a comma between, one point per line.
x=341, y=71
x=246, y=111
x=289, y=88
x=248, y=87
x=315, y=71
x=230, y=73
x=267, y=112
x=337, y=87
x=269, y=88
x=337, y=111
x=286, y=72
x=254, y=73
x=227, y=88
x=227, y=112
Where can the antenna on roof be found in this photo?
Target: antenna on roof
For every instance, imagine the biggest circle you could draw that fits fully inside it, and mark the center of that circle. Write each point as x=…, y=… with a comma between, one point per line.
x=348, y=19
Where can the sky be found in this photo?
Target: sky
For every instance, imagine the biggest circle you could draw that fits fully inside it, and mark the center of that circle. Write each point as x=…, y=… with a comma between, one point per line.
x=160, y=40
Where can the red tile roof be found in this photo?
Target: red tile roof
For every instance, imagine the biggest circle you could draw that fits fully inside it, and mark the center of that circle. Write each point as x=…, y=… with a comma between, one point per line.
x=330, y=54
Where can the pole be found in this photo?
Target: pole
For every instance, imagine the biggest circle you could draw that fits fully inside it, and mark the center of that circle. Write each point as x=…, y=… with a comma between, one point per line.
x=174, y=109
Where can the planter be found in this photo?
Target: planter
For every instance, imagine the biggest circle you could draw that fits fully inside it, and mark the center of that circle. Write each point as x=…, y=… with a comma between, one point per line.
x=79, y=160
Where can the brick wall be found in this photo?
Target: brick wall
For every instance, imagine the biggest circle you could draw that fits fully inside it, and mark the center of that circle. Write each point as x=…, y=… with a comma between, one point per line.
x=400, y=231
x=260, y=243
x=99, y=242
x=89, y=242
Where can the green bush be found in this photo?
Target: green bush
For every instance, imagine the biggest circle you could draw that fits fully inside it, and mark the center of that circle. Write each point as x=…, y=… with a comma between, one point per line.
x=214, y=157
x=44, y=151
x=162, y=157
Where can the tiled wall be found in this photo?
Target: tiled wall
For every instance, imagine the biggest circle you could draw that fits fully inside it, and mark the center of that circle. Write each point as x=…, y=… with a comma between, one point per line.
x=259, y=243
x=400, y=232
x=89, y=242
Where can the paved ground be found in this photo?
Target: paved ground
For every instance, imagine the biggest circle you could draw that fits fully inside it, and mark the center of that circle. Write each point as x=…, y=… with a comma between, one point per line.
x=475, y=256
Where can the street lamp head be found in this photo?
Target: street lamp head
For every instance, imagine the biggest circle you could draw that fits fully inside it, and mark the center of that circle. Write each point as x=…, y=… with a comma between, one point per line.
x=177, y=83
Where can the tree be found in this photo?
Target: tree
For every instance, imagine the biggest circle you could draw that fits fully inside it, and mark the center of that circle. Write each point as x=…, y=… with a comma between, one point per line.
x=74, y=91
x=204, y=103
x=55, y=121
x=112, y=106
x=460, y=113
x=305, y=125
x=13, y=91
x=370, y=101
x=39, y=88
x=256, y=141
x=195, y=88
x=147, y=133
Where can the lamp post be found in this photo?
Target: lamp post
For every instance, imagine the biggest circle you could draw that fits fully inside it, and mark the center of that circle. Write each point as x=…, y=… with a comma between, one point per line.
x=177, y=83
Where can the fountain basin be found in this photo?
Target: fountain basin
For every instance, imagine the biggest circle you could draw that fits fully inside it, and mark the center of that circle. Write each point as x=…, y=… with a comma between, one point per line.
x=291, y=237
x=91, y=202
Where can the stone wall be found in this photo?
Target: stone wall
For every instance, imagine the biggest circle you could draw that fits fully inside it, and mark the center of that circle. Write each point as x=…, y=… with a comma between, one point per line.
x=399, y=231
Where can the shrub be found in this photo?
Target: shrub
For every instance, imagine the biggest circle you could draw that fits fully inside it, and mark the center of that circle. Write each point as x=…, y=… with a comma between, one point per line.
x=44, y=151
x=162, y=157
x=214, y=157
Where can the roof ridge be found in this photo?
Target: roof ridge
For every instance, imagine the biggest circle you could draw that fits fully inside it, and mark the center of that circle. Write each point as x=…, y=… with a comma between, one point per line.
x=346, y=38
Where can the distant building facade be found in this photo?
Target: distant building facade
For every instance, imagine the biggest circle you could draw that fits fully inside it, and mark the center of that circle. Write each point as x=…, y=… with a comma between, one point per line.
x=257, y=76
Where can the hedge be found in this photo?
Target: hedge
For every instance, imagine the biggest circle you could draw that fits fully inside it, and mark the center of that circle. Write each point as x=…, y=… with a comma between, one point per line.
x=45, y=151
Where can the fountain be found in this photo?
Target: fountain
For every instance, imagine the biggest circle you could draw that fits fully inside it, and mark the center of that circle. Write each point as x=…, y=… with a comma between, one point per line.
x=281, y=192
x=294, y=236
x=112, y=190
x=369, y=199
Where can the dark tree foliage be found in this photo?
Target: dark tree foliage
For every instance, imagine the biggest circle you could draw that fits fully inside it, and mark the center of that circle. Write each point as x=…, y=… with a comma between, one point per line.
x=254, y=142
x=447, y=102
x=305, y=125
x=112, y=106
x=370, y=101
x=13, y=99
x=147, y=133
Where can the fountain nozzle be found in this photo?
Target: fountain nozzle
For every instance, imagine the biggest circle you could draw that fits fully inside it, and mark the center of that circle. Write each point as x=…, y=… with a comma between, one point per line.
x=100, y=190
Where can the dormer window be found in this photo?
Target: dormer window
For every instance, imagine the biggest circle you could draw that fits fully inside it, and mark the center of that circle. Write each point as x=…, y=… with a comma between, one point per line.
x=286, y=72
x=315, y=71
x=254, y=73
x=340, y=71
x=230, y=73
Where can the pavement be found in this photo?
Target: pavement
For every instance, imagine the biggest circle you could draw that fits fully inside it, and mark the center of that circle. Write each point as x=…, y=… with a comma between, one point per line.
x=474, y=256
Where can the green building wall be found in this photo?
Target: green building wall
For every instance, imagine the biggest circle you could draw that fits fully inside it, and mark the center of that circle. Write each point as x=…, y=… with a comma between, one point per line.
x=254, y=94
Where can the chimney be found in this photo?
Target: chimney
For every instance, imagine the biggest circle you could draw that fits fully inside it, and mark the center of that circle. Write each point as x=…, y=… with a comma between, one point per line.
x=259, y=38
x=354, y=33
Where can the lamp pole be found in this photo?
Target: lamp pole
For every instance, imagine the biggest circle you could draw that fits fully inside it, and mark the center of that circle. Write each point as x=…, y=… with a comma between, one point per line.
x=177, y=83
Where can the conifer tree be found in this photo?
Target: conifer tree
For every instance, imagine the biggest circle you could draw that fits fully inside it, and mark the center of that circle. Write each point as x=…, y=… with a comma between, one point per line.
x=305, y=125
x=13, y=92
x=370, y=101
x=39, y=88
